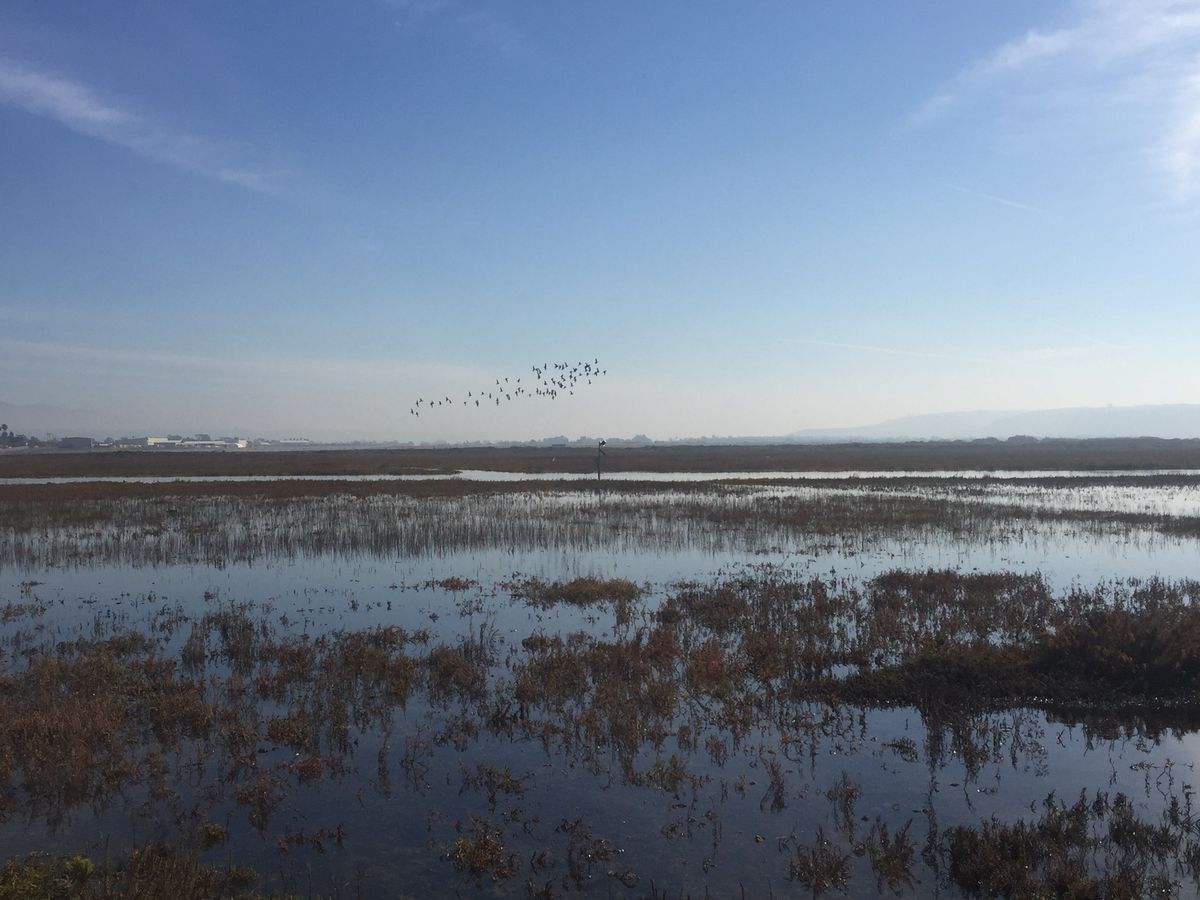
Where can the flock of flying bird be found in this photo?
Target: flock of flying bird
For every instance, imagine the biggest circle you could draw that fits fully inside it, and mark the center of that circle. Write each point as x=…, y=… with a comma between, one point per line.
x=548, y=382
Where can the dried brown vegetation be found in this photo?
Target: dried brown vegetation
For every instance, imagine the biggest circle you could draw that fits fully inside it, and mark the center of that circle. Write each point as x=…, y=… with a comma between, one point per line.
x=150, y=872
x=87, y=718
x=1131, y=453
x=218, y=523
x=480, y=851
x=996, y=640
x=225, y=722
x=1096, y=848
x=576, y=592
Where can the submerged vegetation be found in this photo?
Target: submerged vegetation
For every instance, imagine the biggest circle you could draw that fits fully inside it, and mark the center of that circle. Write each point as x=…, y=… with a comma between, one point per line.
x=420, y=719
x=51, y=525
x=230, y=719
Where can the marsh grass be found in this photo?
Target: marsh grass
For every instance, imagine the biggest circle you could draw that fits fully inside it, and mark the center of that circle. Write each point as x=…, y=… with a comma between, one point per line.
x=757, y=671
x=241, y=730
x=80, y=525
x=891, y=856
x=1096, y=848
x=480, y=850
x=586, y=591
x=89, y=717
x=1076, y=454
x=821, y=866
x=995, y=640
x=149, y=872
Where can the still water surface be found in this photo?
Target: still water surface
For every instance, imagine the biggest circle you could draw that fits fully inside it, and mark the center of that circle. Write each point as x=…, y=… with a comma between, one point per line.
x=403, y=796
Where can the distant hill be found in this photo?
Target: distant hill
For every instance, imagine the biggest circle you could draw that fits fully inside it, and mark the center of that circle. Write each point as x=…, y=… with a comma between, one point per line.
x=1180, y=420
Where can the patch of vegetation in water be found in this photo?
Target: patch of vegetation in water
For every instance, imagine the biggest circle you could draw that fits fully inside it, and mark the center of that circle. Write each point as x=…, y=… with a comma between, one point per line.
x=1016, y=644
x=149, y=872
x=761, y=670
x=584, y=591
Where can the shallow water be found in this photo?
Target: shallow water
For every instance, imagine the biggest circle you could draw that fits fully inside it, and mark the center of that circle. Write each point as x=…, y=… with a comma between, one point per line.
x=656, y=477
x=712, y=823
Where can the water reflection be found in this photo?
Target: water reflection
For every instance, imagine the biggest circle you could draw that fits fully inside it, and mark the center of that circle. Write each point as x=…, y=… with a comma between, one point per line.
x=387, y=692
x=486, y=475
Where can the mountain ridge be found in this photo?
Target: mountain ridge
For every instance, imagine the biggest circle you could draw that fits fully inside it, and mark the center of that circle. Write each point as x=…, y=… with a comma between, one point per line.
x=1169, y=420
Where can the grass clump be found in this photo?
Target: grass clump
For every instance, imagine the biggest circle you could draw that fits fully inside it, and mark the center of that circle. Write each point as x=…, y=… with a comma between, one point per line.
x=451, y=671
x=587, y=591
x=149, y=872
x=1134, y=647
x=455, y=583
x=820, y=867
x=480, y=851
x=1087, y=849
x=82, y=721
x=1153, y=651
x=719, y=608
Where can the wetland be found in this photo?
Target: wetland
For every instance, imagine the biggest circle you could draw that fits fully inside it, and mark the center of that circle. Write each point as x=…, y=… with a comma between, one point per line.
x=932, y=684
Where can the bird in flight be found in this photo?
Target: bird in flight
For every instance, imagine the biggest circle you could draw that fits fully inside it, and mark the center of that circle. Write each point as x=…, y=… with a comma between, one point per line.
x=550, y=380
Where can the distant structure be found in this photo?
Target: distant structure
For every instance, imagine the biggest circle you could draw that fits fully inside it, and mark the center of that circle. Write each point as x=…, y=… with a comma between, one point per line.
x=75, y=443
x=199, y=442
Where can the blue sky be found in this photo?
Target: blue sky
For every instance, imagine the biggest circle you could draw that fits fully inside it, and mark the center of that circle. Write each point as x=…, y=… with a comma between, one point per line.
x=297, y=217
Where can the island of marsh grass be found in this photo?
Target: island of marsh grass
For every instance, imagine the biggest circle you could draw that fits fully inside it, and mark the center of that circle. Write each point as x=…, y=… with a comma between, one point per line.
x=226, y=722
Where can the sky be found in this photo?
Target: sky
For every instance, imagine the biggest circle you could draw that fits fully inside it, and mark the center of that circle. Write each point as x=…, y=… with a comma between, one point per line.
x=269, y=218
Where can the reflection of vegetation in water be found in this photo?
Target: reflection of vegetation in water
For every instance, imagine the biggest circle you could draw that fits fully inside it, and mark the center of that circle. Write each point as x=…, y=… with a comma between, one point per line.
x=1011, y=641
x=723, y=688
x=158, y=524
x=148, y=873
x=1099, y=848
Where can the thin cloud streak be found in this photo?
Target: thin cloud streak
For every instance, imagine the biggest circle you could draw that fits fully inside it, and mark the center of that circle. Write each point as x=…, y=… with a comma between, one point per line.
x=994, y=198
x=82, y=110
x=29, y=352
x=1178, y=154
x=1093, y=341
x=895, y=351
x=1114, y=56
x=1029, y=355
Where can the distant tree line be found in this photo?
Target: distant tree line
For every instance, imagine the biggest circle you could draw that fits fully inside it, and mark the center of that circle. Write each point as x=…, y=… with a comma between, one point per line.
x=9, y=438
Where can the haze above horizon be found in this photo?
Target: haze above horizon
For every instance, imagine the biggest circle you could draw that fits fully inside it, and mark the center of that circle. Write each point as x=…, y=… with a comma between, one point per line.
x=761, y=218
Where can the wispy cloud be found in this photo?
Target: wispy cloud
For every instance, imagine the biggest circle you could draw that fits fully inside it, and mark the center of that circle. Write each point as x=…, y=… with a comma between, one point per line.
x=1136, y=62
x=480, y=25
x=1053, y=354
x=83, y=110
x=27, y=353
x=1093, y=342
x=892, y=351
x=1004, y=201
x=1044, y=354
x=1178, y=153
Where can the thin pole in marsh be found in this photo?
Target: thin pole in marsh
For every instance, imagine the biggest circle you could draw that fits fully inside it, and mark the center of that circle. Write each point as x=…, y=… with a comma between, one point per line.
x=599, y=457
